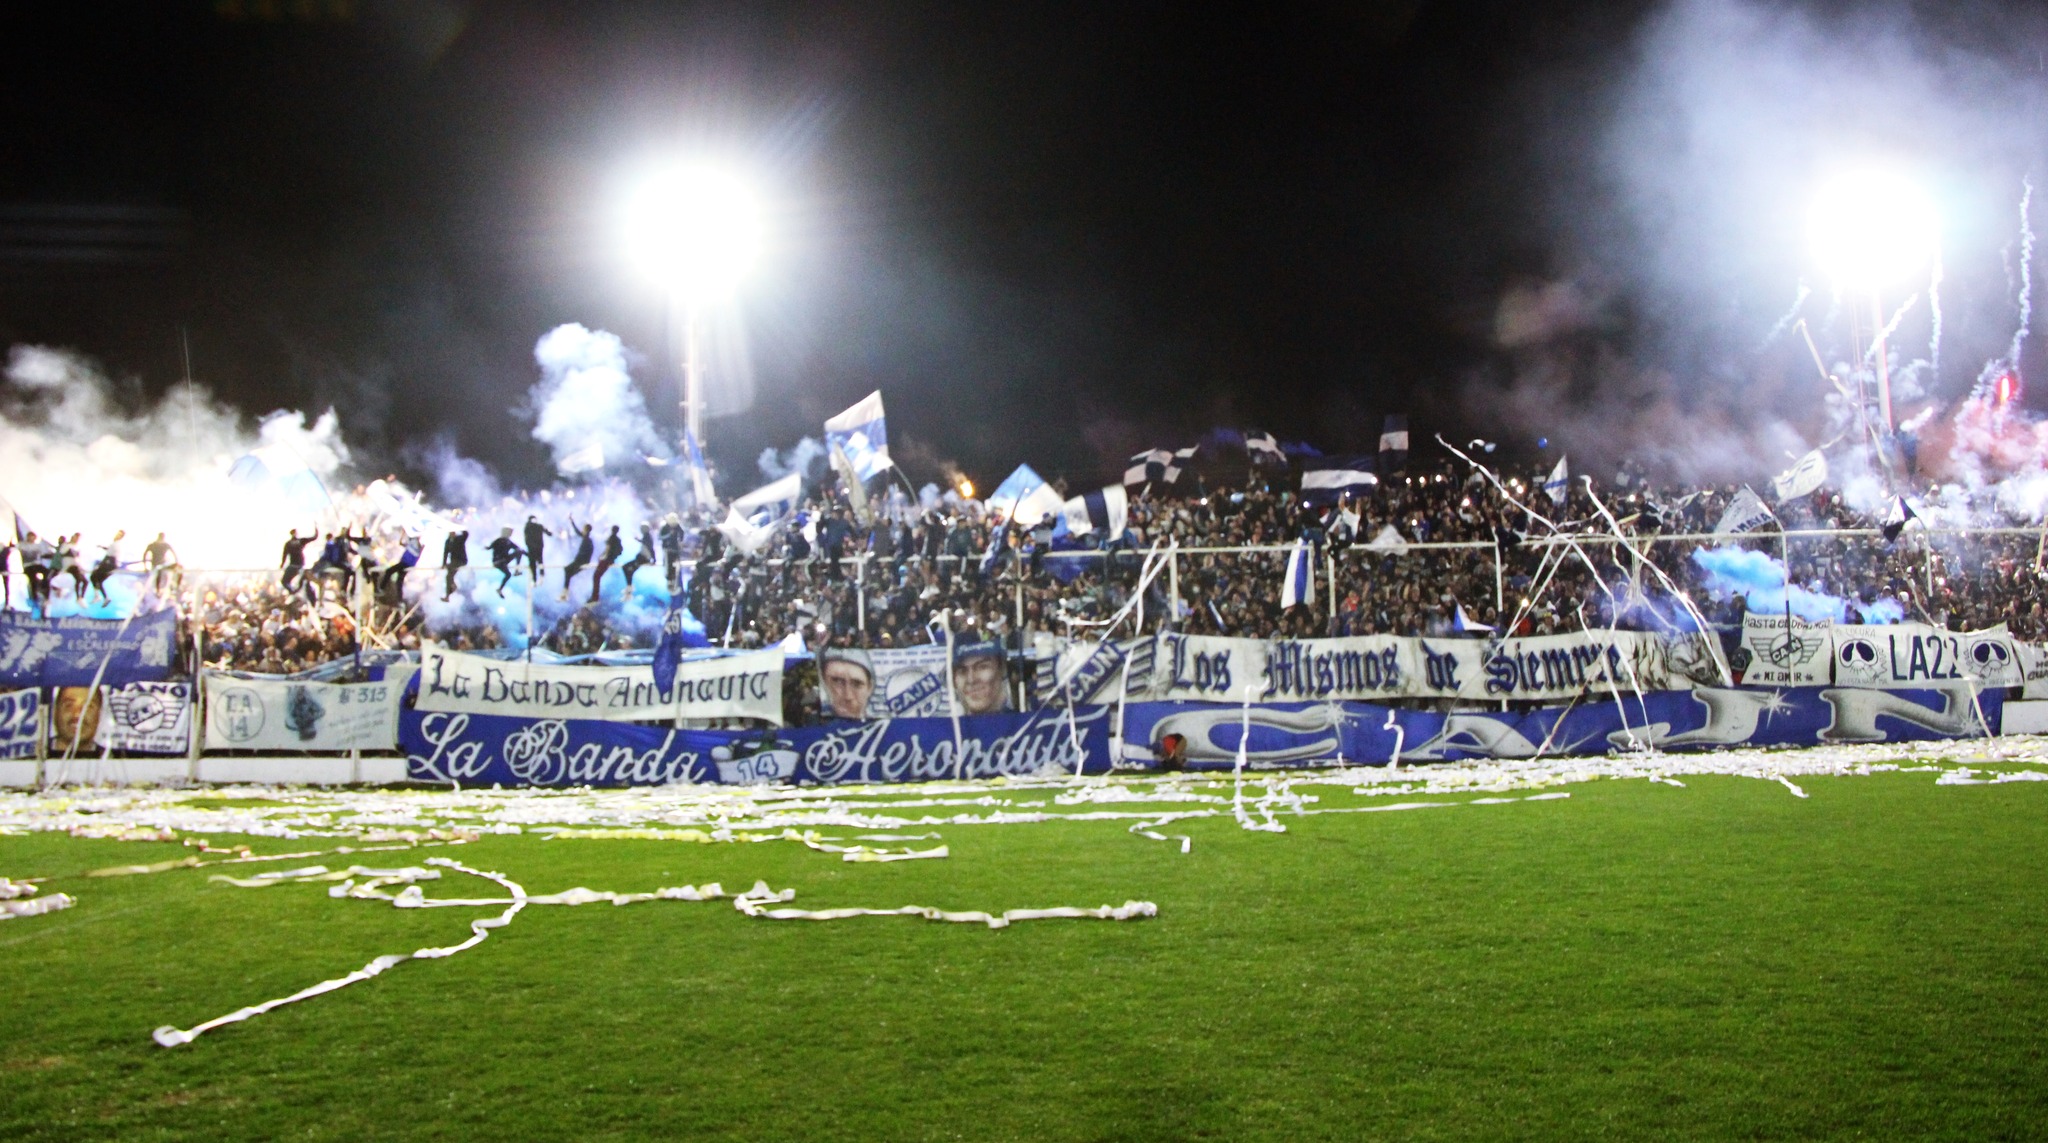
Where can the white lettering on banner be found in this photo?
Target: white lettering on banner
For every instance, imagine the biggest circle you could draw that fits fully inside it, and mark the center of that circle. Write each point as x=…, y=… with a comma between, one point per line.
x=746, y=685
x=869, y=753
x=1912, y=655
x=19, y=722
x=277, y=714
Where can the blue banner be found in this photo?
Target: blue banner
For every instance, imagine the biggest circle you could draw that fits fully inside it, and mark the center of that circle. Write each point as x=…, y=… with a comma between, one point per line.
x=1705, y=718
x=19, y=723
x=478, y=749
x=489, y=749
x=68, y=652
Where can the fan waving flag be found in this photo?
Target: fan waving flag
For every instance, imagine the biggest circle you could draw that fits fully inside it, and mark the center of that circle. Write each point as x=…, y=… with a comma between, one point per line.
x=1158, y=466
x=1394, y=443
x=697, y=471
x=1560, y=481
x=1024, y=498
x=1745, y=512
x=1299, y=586
x=1464, y=624
x=1327, y=479
x=1105, y=511
x=1805, y=476
x=1901, y=515
x=861, y=434
x=1262, y=448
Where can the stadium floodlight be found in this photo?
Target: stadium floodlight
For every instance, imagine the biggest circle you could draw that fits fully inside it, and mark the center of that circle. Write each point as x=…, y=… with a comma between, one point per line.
x=1870, y=228
x=696, y=230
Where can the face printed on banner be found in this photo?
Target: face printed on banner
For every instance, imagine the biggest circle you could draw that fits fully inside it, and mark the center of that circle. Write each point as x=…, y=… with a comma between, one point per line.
x=848, y=682
x=978, y=680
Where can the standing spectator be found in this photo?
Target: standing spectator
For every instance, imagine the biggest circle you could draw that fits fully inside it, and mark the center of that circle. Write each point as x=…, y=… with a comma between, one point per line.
x=536, y=540
x=454, y=557
x=504, y=553
x=613, y=549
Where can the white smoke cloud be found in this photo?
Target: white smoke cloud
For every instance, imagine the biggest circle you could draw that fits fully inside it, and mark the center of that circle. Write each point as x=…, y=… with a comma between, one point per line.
x=586, y=397
x=778, y=463
x=72, y=460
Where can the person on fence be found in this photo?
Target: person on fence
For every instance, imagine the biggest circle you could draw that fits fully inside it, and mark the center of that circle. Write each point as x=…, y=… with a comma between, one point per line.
x=613, y=549
x=335, y=556
x=161, y=562
x=536, y=542
x=454, y=557
x=642, y=558
x=108, y=563
x=6, y=580
x=35, y=565
x=505, y=554
x=672, y=550
x=293, y=563
x=584, y=547
x=391, y=585
x=71, y=565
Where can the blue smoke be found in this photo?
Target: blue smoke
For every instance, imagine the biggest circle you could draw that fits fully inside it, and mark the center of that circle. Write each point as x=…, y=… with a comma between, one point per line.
x=1759, y=579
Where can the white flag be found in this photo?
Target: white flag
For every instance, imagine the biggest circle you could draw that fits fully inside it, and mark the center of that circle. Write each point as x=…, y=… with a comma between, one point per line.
x=1560, y=481
x=1806, y=474
x=589, y=458
x=1744, y=512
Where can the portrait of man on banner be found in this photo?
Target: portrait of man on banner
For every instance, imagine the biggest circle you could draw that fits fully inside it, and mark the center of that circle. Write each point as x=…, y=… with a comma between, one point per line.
x=978, y=681
x=848, y=680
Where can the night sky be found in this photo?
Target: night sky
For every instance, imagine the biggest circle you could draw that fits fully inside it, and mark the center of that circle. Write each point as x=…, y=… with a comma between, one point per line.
x=1049, y=233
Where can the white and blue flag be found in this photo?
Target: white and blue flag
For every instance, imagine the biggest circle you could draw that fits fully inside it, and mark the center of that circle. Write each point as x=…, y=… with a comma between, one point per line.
x=1105, y=511
x=774, y=498
x=1024, y=498
x=1299, y=586
x=697, y=471
x=1464, y=624
x=861, y=434
x=1327, y=479
x=1158, y=466
x=1560, y=481
x=1262, y=448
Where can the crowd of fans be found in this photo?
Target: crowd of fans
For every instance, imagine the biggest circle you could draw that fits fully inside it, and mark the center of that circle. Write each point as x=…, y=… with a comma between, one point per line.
x=1437, y=552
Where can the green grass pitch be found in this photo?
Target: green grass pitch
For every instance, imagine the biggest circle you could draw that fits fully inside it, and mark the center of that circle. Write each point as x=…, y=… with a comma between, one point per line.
x=1635, y=962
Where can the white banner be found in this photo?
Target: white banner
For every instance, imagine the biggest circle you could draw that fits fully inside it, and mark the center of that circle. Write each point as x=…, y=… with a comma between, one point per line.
x=744, y=685
x=1914, y=655
x=20, y=720
x=275, y=714
x=147, y=718
x=1378, y=667
x=1784, y=653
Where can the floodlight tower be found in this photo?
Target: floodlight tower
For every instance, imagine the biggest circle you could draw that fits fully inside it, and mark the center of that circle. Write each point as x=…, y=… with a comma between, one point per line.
x=1871, y=228
x=695, y=229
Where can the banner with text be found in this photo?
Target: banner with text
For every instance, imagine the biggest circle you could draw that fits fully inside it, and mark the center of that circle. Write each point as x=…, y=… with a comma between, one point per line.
x=72, y=652
x=275, y=714
x=743, y=685
x=1917, y=655
x=1782, y=651
x=147, y=718
x=20, y=718
x=475, y=749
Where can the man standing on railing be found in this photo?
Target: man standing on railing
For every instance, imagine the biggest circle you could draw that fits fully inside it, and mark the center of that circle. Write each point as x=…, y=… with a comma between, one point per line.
x=454, y=557
x=160, y=561
x=672, y=550
x=108, y=563
x=613, y=549
x=536, y=541
x=584, y=547
x=642, y=558
x=293, y=563
x=504, y=554
x=35, y=564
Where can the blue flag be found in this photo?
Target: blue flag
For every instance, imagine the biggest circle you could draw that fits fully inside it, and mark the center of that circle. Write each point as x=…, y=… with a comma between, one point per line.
x=680, y=631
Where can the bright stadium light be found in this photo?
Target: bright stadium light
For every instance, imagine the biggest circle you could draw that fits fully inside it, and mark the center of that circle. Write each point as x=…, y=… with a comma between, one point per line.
x=696, y=230
x=1871, y=228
